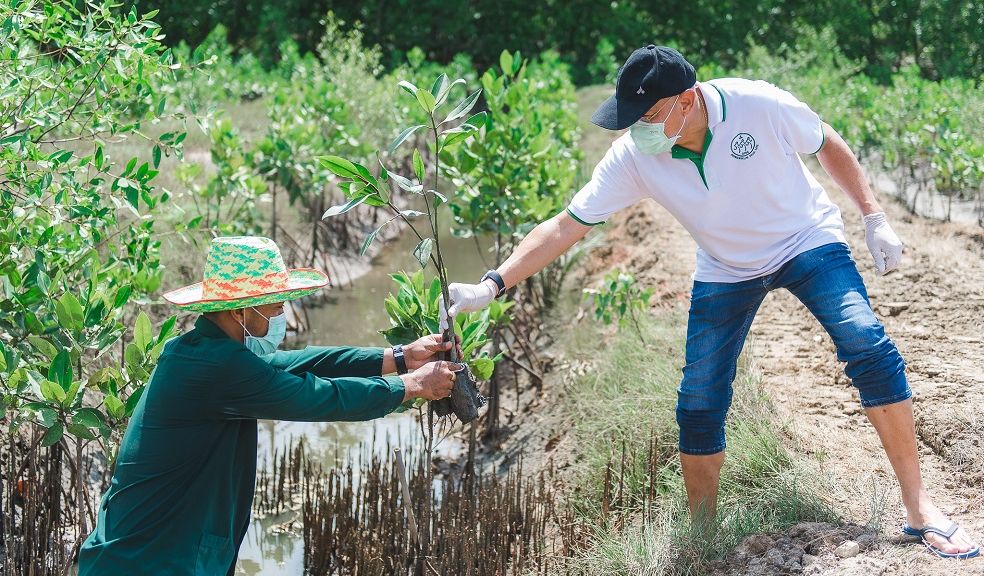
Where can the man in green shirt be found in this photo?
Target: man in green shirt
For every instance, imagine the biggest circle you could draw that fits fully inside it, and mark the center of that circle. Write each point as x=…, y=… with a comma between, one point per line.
x=182, y=488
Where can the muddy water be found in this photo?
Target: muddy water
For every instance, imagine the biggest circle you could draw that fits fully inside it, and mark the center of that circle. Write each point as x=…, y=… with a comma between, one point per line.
x=352, y=316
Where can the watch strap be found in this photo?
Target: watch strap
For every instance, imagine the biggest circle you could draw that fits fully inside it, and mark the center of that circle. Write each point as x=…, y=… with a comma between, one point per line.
x=497, y=278
x=400, y=359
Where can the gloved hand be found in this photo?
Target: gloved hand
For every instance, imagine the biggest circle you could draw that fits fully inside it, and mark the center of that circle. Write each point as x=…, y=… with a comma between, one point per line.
x=466, y=298
x=883, y=243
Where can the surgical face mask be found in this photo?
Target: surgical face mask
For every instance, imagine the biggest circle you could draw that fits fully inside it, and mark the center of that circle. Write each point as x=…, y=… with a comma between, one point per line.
x=651, y=137
x=276, y=330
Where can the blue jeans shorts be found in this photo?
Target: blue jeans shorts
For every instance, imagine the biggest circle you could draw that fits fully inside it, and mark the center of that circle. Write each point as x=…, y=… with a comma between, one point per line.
x=824, y=279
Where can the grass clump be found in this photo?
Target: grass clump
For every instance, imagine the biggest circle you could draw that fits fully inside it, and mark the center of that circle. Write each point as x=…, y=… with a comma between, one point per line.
x=628, y=483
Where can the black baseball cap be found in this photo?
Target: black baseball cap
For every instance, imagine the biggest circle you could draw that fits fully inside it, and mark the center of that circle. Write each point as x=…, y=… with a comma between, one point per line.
x=651, y=73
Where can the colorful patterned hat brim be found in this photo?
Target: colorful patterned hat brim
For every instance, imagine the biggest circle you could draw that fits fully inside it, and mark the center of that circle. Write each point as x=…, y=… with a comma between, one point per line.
x=301, y=282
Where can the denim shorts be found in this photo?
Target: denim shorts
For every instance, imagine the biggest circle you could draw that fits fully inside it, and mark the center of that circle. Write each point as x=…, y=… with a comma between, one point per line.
x=824, y=279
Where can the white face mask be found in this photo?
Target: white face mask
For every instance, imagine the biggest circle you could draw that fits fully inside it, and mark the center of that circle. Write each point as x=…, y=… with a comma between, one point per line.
x=276, y=331
x=651, y=137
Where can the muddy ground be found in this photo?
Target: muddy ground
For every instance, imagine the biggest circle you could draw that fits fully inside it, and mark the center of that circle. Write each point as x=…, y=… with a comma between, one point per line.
x=933, y=308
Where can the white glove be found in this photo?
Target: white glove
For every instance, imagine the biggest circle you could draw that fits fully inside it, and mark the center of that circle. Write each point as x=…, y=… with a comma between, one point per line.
x=884, y=245
x=466, y=298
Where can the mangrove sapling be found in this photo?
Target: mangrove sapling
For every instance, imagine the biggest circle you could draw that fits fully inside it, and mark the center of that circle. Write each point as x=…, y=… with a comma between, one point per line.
x=362, y=187
x=620, y=297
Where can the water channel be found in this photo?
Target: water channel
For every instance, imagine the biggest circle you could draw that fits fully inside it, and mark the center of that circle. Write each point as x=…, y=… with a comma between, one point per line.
x=351, y=317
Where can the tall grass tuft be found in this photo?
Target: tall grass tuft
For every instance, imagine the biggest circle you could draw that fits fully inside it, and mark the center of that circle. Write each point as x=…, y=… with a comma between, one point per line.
x=628, y=482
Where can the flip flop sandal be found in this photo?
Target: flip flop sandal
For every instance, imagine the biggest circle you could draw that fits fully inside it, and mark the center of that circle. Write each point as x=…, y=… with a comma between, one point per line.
x=948, y=534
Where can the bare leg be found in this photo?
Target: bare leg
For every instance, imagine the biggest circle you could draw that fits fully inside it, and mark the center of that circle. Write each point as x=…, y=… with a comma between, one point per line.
x=897, y=430
x=701, y=476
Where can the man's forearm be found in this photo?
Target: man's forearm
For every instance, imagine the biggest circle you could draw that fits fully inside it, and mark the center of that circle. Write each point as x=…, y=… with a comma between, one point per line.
x=840, y=163
x=542, y=245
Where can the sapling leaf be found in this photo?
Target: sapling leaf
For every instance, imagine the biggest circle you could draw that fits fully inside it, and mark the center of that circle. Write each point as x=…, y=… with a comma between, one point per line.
x=372, y=236
x=442, y=97
x=463, y=107
x=406, y=184
x=339, y=166
x=423, y=251
x=60, y=369
x=439, y=89
x=53, y=435
x=343, y=208
x=506, y=62
x=410, y=88
x=482, y=368
x=142, y=332
x=404, y=136
x=418, y=165
x=426, y=101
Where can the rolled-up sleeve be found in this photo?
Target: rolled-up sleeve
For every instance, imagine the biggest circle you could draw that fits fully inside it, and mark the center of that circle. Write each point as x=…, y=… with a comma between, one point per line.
x=257, y=388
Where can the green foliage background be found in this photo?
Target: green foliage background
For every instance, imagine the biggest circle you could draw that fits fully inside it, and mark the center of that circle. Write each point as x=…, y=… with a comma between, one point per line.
x=942, y=37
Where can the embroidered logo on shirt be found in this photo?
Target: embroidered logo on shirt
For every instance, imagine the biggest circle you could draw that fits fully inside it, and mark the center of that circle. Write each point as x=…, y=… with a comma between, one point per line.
x=743, y=146
x=640, y=90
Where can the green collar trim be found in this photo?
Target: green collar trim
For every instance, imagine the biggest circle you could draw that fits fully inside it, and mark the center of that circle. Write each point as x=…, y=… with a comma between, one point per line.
x=724, y=106
x=696, y=157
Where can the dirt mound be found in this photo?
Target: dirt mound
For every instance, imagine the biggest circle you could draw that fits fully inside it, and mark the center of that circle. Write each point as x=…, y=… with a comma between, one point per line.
x=806, y=548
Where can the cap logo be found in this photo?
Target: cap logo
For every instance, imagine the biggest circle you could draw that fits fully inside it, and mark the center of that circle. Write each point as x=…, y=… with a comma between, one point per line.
x=640, y=90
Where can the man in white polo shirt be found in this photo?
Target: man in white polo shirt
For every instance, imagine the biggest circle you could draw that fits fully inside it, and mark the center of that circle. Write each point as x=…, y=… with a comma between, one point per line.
x=722, y=156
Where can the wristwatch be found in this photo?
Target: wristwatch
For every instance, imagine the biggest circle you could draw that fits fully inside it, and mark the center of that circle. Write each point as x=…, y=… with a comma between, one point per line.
x=400, y=359
x=499, y=282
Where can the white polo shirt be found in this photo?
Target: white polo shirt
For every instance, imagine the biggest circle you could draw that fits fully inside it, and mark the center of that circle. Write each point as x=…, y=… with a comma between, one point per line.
x=748, y=200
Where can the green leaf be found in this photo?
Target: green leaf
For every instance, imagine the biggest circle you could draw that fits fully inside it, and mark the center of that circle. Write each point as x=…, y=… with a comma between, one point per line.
x=406, y=184
x=89, y=417
x=506, y=63
x=114, y=406
x=69, y=312
x=463, y=107
x=411, y=213
x=477, y=120
x=371, y=237
x=53, y=435
x=132, y=400
x=133, y=356
x=440, y=87
x=403, y=137
x=447, y=91
x=339, y=166
x=482, y=368
x=122, y=296
x=80, y=431
x=142, y=331
x=418, y=165
x=166, y=328
x=52, y=392
x=157, y=156
x=410, y=88
x=43, y=346
x=343, y=208
x=60, y=370
x=423, y=251
x=426, y=101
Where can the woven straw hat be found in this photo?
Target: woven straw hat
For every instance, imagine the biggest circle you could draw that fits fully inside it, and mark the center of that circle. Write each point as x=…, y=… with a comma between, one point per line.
x=244, y=271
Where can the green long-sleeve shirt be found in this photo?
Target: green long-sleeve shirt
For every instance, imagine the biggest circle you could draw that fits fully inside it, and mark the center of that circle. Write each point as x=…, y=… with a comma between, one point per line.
x=180, y=498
